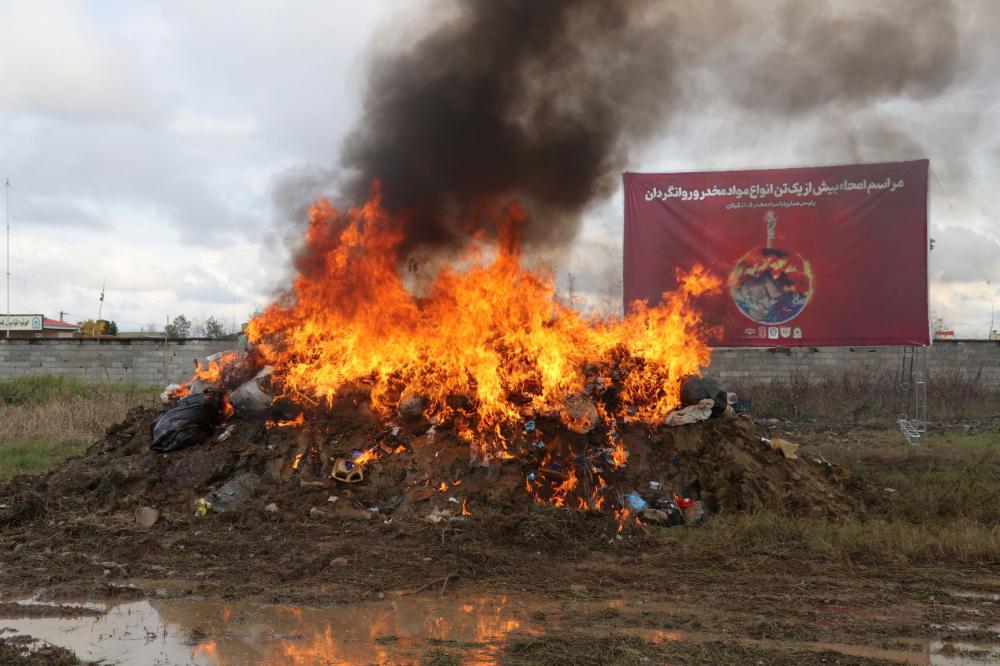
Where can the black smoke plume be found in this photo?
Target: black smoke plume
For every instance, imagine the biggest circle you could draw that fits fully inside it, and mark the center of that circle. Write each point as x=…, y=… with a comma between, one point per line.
x=525, y=99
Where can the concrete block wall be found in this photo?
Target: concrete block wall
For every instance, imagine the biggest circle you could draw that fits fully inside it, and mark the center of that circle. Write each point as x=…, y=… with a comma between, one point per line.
x=154, y=362
x=140, y=361
x=978, y=360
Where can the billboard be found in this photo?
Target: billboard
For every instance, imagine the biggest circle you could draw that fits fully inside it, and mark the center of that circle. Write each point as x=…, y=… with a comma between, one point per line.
x=819, y=256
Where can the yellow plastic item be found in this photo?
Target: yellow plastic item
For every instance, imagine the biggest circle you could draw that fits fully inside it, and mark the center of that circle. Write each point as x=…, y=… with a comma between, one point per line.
x=203, y=507
x=347, y=474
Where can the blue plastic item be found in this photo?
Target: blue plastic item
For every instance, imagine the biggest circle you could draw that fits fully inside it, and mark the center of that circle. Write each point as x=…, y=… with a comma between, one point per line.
x=635, y=502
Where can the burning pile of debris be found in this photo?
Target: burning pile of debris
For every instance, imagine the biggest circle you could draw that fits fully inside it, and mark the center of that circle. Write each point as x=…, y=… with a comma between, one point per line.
x=482, y=393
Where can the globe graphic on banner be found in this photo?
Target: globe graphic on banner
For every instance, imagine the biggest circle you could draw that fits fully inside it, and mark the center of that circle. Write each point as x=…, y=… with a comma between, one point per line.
x=771, y=286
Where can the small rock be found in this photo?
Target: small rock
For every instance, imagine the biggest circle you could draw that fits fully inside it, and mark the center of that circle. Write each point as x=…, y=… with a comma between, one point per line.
x=577, y=588
x=311, y=484
x=338, y=561
x=147, y=516
x=654, y=517
x=271, y=508
x=411, y=406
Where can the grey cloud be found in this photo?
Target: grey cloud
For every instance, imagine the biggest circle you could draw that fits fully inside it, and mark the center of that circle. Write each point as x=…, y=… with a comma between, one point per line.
x=964, y=255
x=206, y=291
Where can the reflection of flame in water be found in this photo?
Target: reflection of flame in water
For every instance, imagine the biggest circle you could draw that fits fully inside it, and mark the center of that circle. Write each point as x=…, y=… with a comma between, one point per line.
x=349, y=634
x=205, y=652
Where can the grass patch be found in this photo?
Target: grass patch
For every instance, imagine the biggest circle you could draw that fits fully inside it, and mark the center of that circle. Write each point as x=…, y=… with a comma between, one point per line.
x=437, y=657
x=46, y=419
x=33, y=456
x=870, y=542
x=43, y=389
x=577, y=650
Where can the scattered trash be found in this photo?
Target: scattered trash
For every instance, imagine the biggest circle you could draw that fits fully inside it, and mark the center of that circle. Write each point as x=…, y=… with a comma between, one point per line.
x=236, y=367
x=347, y=471
x=250, y=399
x=701, y=411
x=673, y=511
x=635, y=502
x=227, y=432
x=788, y=449
x=579, y=414
x=694, y=390
x=147, y=516
x=271, y=508
x=187, y=423
x=332, y=498
x=168, y=393
x=655, y=485
x=437, y=515
x=233, y=494
x=529, y=426
x=695, y=513
x=204, y=506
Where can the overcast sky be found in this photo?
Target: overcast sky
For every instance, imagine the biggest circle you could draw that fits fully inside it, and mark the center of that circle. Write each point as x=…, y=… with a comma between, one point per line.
x=145, y=141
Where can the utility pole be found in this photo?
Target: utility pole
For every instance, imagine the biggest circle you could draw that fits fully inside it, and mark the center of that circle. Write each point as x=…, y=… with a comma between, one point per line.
x=7, y=192
x=100, y=309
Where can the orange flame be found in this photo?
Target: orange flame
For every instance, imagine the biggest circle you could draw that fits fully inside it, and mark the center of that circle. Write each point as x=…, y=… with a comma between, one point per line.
x=494, y=335
x=366, y=457
x=227, y=407
x=292, y=423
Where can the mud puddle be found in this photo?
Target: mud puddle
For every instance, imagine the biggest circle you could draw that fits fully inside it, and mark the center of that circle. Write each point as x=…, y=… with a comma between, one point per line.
x=402, y=629
x=398, y=630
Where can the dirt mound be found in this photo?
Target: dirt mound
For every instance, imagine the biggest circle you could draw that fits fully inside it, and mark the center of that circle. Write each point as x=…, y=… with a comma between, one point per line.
x=423, y=473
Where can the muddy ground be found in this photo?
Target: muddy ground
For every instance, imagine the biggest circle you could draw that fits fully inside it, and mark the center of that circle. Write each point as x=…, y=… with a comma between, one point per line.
x=805, y=561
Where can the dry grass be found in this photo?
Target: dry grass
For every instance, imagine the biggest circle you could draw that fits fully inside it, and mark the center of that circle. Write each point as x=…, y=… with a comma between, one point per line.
x=46, y=419
x=863, y=396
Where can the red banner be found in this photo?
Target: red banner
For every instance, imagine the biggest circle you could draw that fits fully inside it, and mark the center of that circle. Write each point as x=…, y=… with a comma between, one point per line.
x=822, y=256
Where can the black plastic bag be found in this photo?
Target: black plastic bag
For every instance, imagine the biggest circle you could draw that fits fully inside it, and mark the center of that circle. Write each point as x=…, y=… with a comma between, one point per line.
x=695, y=389
x=189, y=422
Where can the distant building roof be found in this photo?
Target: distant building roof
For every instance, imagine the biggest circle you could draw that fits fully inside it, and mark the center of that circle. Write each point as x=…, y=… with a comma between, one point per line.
x=60, y=325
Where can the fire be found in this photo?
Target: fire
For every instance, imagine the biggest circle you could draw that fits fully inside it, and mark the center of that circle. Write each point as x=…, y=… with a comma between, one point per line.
x=494, y=335
x=227, y=407
x=366, y=457
x=291, y=423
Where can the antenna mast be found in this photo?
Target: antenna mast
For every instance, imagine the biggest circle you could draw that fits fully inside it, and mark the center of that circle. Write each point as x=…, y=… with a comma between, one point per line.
x=7, y=192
